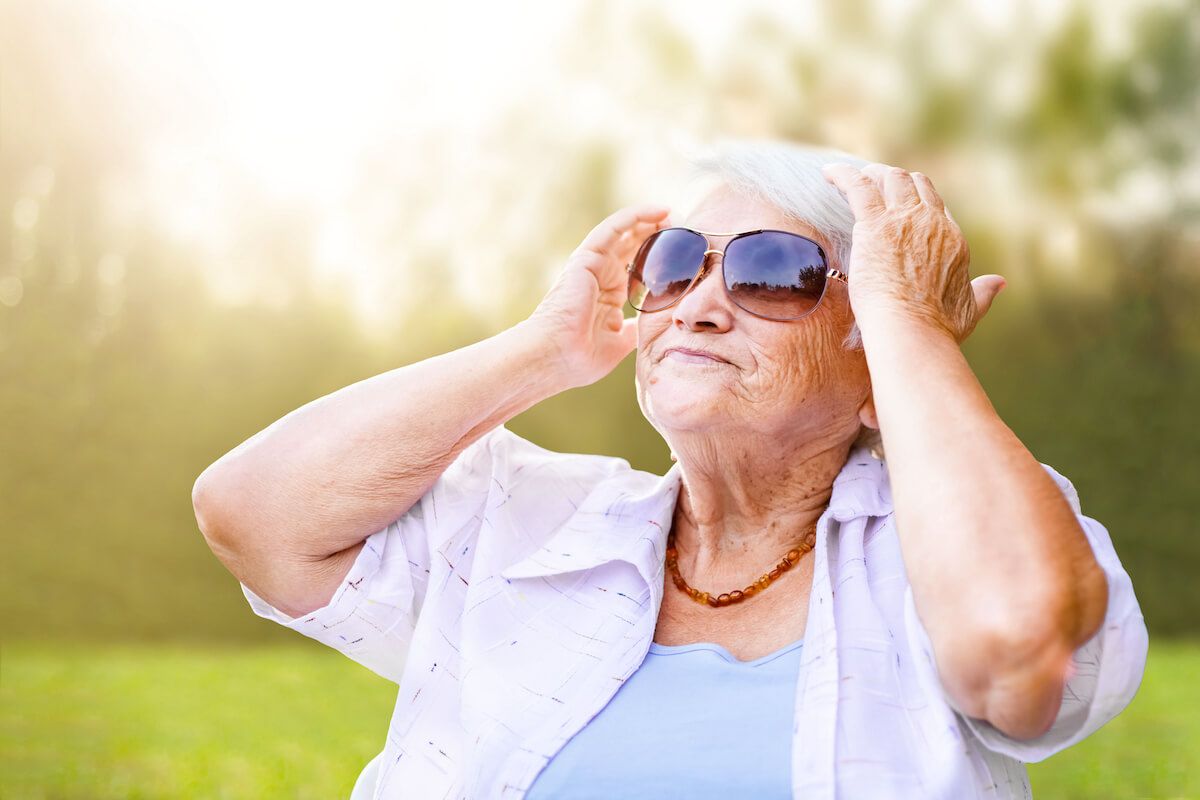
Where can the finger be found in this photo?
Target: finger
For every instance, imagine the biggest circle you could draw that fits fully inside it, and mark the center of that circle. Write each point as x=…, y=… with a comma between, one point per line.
x=950, y=217
x=624, y=341
x=861, y=192
x=929, y=195
x=614, y=318
x=620, y=231
x=985, y=289
x=895, y=184
x=877, y=172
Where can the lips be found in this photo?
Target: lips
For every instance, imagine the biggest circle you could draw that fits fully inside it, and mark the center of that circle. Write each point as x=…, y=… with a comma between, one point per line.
x=687, y=354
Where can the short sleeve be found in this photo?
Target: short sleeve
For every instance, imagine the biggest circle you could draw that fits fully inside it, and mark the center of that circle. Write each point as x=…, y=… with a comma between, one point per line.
x=1106, y=670
x=371, y=616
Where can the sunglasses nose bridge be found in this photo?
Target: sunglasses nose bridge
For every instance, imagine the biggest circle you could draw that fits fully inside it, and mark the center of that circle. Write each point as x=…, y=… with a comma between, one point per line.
x=707, y=265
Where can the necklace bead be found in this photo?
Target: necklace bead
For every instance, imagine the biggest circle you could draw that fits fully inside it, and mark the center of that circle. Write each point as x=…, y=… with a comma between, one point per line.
x=789, y=560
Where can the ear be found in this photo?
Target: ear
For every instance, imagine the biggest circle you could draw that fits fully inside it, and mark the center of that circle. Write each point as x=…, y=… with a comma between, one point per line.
x=866, y=413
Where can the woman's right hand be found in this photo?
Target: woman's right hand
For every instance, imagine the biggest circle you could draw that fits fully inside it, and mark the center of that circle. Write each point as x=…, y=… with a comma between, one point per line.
x=583, y=313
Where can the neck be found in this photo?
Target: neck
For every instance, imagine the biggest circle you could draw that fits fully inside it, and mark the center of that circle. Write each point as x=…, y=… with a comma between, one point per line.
x=744, y=504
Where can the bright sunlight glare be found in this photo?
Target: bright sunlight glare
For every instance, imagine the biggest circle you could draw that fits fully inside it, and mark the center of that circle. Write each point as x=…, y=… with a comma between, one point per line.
x=364, y=132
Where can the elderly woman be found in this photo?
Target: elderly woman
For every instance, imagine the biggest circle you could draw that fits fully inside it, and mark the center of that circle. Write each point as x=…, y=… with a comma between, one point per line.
x=783, y=614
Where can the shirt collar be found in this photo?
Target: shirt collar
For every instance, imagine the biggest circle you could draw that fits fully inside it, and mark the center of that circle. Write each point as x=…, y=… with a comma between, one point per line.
x=628, y=522
x=861, y=489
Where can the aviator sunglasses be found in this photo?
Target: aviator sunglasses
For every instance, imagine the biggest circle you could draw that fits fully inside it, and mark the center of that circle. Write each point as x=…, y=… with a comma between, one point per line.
x=771, y=274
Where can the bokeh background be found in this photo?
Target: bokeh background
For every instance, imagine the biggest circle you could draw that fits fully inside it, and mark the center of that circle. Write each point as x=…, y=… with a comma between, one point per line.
x=212, y=212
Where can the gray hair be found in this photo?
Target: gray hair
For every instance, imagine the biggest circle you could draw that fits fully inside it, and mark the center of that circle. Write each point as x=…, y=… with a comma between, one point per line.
x=788, y=176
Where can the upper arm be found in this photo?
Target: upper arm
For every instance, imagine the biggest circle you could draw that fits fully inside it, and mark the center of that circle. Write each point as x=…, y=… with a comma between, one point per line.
x=298, y=587
x=372, y=612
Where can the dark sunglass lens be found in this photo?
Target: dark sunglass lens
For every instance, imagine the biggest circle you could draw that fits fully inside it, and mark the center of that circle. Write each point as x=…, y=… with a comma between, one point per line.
x=664, y=268
x=775, y=274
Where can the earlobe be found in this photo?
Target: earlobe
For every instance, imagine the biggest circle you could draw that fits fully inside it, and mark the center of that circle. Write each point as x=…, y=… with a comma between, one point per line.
x=866, y=413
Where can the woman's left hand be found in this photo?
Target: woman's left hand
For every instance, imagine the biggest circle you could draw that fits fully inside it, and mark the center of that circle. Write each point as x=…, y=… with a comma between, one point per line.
x=909, y=256
x=1003, y=577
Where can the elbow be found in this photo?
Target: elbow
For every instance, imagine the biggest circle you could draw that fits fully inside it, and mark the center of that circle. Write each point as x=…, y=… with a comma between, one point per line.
x=242, y=532
x=203, y=503
x=217, y=502
x=1014, y=683
x=1014, y=676
x=1022, y=697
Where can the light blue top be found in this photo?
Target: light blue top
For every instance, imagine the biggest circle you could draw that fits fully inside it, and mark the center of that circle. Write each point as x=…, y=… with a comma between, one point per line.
x=692, y=722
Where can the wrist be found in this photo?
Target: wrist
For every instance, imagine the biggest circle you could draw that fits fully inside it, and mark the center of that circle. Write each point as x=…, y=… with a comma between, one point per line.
x=884, y=322
x=909, y=353
x=545, y=361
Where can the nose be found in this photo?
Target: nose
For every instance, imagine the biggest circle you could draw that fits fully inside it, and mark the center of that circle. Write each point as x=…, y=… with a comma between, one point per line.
x=706, y=307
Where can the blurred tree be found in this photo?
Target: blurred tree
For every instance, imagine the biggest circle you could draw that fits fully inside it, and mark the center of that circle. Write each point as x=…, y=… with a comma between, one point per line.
x=124, y=368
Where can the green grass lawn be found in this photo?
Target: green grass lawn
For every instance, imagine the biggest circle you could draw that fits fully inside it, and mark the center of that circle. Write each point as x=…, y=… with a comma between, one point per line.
x=150, y=722
x=1151, y=751
x=299, y=722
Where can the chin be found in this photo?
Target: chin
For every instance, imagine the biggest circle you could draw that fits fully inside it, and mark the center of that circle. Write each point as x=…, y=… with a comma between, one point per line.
x=677, y=406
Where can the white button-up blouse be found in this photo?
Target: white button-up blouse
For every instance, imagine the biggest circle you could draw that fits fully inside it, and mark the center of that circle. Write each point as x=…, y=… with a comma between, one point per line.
x=516, y=596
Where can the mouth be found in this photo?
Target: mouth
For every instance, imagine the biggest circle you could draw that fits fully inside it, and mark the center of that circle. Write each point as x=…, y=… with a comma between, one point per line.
x=688, y=356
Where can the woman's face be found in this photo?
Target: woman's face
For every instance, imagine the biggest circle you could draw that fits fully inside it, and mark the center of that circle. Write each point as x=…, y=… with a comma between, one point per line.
x=705, y=365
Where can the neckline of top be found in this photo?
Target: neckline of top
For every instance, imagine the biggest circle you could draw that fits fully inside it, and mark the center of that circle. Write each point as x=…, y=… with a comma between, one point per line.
x=712, y=647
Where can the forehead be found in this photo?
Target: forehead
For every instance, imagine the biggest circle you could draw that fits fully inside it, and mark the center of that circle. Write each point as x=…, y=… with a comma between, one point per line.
x=725, y=210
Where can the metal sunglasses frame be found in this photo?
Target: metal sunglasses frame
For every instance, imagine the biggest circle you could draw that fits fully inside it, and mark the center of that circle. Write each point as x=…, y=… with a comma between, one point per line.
x=704, y=269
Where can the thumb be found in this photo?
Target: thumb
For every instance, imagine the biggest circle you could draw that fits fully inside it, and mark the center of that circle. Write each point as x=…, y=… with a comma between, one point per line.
x=985, y=288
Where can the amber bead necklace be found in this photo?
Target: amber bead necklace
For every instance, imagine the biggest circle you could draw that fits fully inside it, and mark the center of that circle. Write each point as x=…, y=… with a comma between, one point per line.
x=789, y=560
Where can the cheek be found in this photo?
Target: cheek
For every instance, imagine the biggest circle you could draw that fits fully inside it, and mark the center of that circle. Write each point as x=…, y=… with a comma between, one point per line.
x=835, y=360
x=647, y=332
x=650, y=327
x=639, y=380
x=807, y=360
x=815, y=363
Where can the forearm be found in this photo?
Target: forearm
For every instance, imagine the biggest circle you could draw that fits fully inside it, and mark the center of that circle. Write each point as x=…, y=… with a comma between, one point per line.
x=1003, y=577
x=326, y=476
